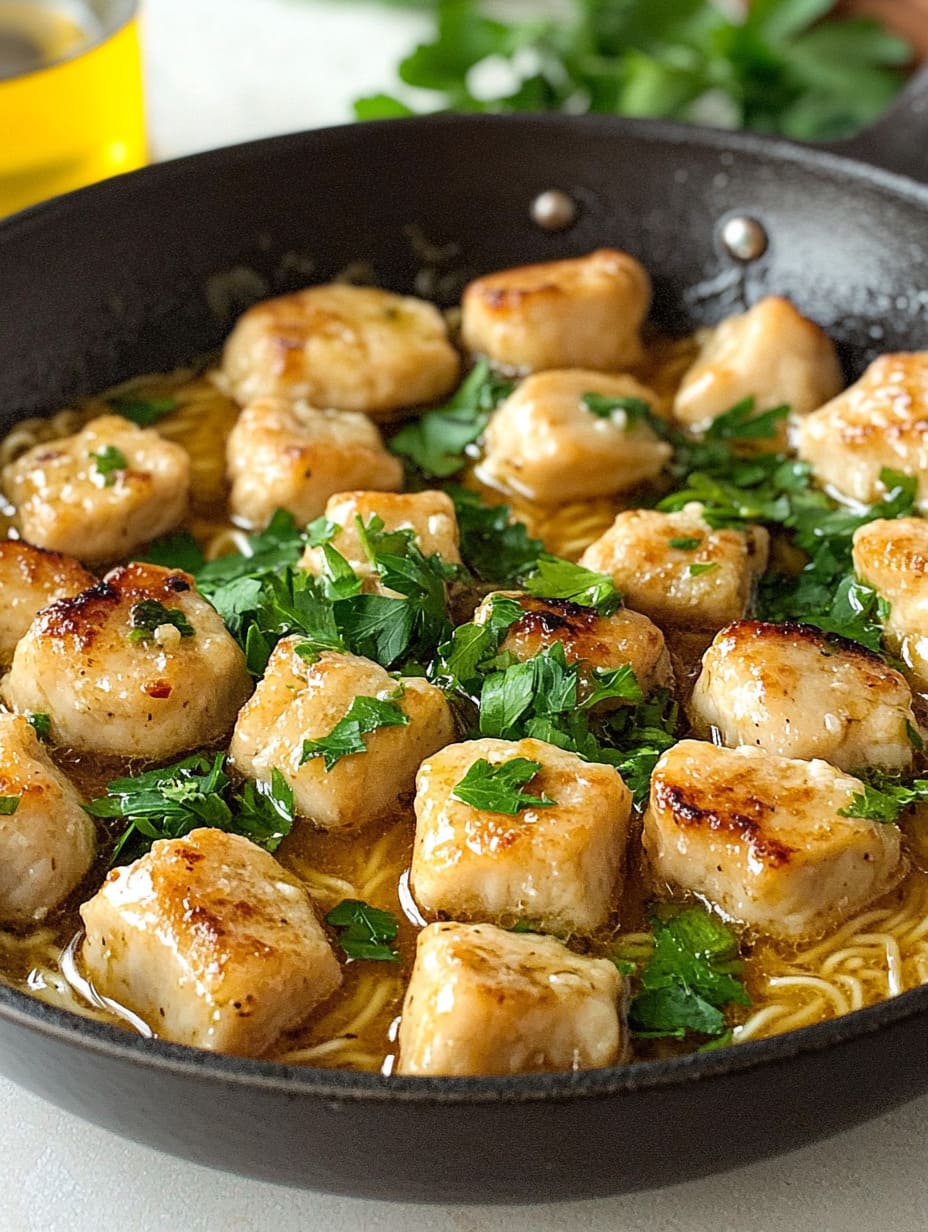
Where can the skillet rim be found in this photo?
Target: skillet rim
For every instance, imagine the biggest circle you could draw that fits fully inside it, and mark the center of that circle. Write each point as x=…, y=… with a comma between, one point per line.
x=88, y=1035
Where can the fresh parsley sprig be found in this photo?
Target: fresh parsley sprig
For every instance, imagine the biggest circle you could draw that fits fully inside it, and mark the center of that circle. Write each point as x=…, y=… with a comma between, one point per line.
x=108, y=463
x=149, y=614
x=691, y=975
x=500, y=788
x=143, y=411
x=494, y=547
x=437, y=441
x=364, y=716
x=554, y=578
x=170, y=801
x=884, y=797
x=364, y=931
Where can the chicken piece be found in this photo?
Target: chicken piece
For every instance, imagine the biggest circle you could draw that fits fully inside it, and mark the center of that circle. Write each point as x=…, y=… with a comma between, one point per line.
x=798, y=692
x=881, y=421
x=763, y=838
x=29, y=578
x=99, y=494
x=210, y=942
x=351, y=348
x=582, y=312
x=284, y=456
x=891, y=555
x=430, y=515
x=603, y=641
x=676, y=569
x=771, y=353
x=559, y=866
x=485, y=1001
x=139, y=665
x=303, y=699
x=46, y=839
x=544, y=443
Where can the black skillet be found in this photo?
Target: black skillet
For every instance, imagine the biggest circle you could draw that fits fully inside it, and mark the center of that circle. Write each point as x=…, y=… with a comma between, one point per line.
x=147, y=271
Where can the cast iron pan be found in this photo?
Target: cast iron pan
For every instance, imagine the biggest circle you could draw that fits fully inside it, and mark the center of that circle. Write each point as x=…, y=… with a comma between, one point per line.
x=131, y=276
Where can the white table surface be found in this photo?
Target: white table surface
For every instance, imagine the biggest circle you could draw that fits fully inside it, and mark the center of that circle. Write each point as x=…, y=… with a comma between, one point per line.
x=228, y=70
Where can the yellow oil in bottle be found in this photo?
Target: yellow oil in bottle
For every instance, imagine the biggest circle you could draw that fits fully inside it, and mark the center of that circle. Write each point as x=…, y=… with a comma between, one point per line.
x=71, y=105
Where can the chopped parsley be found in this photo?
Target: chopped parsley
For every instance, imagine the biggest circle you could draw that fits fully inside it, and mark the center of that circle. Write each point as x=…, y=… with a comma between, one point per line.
x=108, y=462
x=143, y=411
x=364, y=715
x=41, y=724
x=635, y=411
x=437, y=441
x=148, y=615
x=493, y=546
x=884, y=797
x=499, y=788
x=8, y=805
x=170, y=801
x=696, y=570
x=684, y=545
x=364, y=931
x=555, y=578
x=176, y=551
x=692, y=973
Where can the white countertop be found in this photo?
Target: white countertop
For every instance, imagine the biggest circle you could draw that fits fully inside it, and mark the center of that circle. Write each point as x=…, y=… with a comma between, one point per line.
x=228, y=70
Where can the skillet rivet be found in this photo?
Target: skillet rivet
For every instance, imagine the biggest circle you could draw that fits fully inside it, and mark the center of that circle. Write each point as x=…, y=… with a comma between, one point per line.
x=554, y=210
x=743, y=238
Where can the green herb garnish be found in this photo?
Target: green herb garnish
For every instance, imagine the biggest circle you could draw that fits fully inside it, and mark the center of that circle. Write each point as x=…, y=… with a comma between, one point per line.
x=171, y=801
x=493, y=547
x=177, y=551
x=364, y=931
x=436, y=442
x=635, y=410
x=884, y=797
x=9, y=805
x=148, y=615
x=143, y=411
x=41, y=724
x=698, y=569
x=364, y=715
x=778, y=66
x=108, y=462
x=555, y=578
x=693, y=972
x=684, y=545
x=499, y=788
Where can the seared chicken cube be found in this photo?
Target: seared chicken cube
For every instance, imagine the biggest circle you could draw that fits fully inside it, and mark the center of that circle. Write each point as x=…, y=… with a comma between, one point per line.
x=429, y=515
x=485, y=1001
x=46, y=839
x=139, y=665
x=798, y=692
x=210, y=942
x=303, y=698
x=881, y=421
x=771, y=353
x=602, y=641
x=100, y=494
x=891, y=555
x=558, y=865
x=544, y=441
x=29, y=578
x=351, y=348
x=676, y=569
x=582, y=312
x=285, y=456
x=763, y=837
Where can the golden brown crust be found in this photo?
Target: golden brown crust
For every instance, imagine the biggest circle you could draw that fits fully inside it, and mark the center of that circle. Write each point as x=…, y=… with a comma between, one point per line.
x=83, y=617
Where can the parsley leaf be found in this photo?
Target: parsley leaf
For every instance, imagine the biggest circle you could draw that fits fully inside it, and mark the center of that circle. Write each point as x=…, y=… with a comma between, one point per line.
x=436, y=442
x=635, y=410
x=778, y=66
x=555, y=578
x=683, y=544
x=176, y=551
x=692, y=974
x=884, y=797
x=493, y=547
x=498, y=789
x=148, y=615
x=365, y=931
x=639, y=735
x=170, y=801
x=696, y=570
x=143, y=411
x=8, y=805
x=364, y=715
x=108, y=462
x=41, y=724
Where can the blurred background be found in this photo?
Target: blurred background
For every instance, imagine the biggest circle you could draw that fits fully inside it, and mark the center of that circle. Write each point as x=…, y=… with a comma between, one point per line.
x=89, y=88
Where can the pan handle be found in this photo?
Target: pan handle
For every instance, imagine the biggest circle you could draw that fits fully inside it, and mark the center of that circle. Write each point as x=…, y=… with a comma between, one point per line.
x=898, y=141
